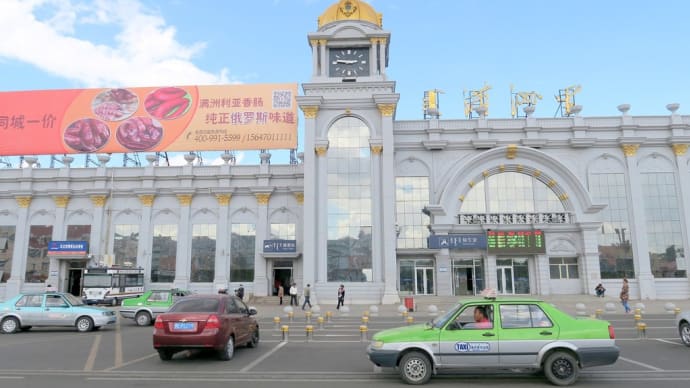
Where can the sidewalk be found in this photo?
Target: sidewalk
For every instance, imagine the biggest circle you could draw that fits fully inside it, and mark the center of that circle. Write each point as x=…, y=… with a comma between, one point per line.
x=576, y=305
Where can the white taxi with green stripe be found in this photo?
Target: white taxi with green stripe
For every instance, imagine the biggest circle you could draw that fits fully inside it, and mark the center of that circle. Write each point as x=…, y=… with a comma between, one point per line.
x=503, y=333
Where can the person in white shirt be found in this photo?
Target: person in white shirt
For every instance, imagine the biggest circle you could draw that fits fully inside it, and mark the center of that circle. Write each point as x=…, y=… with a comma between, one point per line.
x=293, y=295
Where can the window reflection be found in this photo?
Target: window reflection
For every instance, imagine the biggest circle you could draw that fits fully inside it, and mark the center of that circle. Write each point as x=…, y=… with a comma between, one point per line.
x=511, y=192
x=349, y=202
x=126, y=244
x=411, y=195
x=242, y=252
x=6, y=249
x=163, y=253
x=37, y=256
x=203, y=253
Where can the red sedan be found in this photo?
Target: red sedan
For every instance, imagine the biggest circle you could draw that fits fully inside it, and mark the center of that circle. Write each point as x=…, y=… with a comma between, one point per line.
x=216, y=321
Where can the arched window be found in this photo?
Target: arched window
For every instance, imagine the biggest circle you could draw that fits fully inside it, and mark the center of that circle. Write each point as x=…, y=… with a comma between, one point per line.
x=349, y=202
x=511, y=192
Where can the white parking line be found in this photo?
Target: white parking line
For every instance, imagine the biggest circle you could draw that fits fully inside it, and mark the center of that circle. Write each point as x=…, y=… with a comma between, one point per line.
x=669, y=342
x=263, y=357
x=92, y=354
x=641, y=364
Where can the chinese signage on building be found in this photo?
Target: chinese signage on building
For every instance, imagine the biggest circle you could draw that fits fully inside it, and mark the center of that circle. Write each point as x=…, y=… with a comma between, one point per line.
x=280, y=246
x=457, y=241
x=71, y=248
x=515, y=242
x=156, y=119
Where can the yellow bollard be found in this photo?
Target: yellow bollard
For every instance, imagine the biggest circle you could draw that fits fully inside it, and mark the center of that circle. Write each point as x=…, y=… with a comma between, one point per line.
x=404, y=315
x=598, y=313
x=307, y=315
x=365, y=313
x=638, y=317
x=642, y=330
x=363, y=332
x=410, y=320
x=320, y=321
x=676, y=310
x=638, y=311
x=290, y=315
x=365, y=319
x=328, y=316
x=285, y=329
x=309, y=330
x=276, y=321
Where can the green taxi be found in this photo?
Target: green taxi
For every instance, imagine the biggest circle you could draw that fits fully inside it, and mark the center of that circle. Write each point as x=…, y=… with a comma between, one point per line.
x=497, y=333
x=146, y=308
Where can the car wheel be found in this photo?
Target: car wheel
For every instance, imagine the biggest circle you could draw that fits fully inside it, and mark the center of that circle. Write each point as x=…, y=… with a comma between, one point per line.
x=143, y=318
x=561, y=368
x=415, y=368
x=165, y=354
x=228, y=351
x=684, y=330
x=254, y=342
x=84, y=324
x=9, y=325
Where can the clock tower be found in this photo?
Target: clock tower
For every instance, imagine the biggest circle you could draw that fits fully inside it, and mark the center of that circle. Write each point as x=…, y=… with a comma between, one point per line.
x=349, y=177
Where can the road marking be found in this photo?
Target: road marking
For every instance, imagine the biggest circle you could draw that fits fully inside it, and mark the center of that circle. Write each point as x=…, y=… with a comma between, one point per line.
x=668, y=342
x=12, y=377
x=130, y=362
x=118, y=345
x=641, y=364
x=92, y=354
x=263, y=357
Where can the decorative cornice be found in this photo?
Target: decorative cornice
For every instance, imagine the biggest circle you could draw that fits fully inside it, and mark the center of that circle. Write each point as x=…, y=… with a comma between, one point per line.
x=536, y=173
x=511, y=152
x=376, y=149
x=563, y=197
x=184, y=199
x=386, y=109
x=502, y=168
x=313, y=42
x=98, y=200
x=61, y=200
x=323, y=42
x=471, y=183
x=147, y=199
x=679, y=149
x=262, y=198
x=310, y=111
x=461, y=198
x=223, y=199
x=321, y=150
x=299, y=196
x=485, y=173
x=630, y=149
x=23, y=201
x=551, y=183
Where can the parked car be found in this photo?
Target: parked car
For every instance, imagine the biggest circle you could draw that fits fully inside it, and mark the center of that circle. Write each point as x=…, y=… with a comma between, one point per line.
x=217, y=322
x=522, y=334
x=683, y=324
x=145, y=309
x=28, y=310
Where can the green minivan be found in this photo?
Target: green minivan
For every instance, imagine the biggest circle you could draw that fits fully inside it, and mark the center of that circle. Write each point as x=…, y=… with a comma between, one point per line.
x=146, y=308
x=497, y=333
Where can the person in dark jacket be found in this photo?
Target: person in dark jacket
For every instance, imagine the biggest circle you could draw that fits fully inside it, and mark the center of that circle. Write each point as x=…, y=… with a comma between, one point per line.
x=341, y=297
x=240, y=292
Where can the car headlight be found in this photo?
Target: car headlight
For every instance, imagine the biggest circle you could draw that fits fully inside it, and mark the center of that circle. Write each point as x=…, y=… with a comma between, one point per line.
x=377, y=344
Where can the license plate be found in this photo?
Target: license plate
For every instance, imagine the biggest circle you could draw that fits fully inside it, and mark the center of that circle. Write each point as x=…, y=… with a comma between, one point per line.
x=184, y=326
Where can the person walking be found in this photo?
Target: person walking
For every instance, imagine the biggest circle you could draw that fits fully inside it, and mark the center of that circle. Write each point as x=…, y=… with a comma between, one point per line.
x=341, y=297
x=625, y=295
x=240, y=292
x=307, y=295
x=281, y=292
x=293, y=295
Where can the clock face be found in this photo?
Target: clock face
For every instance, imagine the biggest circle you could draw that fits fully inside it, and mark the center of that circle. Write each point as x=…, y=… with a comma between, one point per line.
x=349, y=62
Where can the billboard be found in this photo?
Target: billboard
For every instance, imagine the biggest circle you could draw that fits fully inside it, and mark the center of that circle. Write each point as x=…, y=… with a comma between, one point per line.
x=501, y=242
x=155, y=119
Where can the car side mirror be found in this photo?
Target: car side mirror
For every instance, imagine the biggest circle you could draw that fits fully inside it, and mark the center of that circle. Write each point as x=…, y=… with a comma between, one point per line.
x=252, y=311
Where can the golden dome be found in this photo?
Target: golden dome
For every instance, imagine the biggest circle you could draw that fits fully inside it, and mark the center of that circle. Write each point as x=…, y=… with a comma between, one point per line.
x=350, y=10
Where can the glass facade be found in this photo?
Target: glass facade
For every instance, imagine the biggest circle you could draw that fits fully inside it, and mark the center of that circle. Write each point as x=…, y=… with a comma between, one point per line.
x=203, y=253
x=6, y=249
x=349, y=202
x=417, y=277
x=242, y=252
x=615, y=247
x=125, y=244
x=37, y=255
x=283, y=232
x=164, y=253
x=511, y=192
x=411, y=195
x=79, y=233
x=563, y=268
x=664, y=233
x=468, y=276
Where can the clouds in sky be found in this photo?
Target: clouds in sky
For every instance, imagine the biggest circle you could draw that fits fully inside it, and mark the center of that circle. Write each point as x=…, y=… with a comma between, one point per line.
x=136, y=47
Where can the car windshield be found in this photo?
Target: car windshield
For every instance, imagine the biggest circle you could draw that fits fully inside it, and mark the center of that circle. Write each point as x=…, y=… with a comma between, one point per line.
x=195, y=305
x=439, y=322
x=73, y=300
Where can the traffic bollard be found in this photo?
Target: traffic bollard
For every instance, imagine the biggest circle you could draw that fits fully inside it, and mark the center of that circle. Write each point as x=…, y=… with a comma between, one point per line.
x=410, y=320
x=637, y=317
x=320, y=321
x=276, y=321
x=365, y=320
x=328, y=316
x=285, y=329
x=309, y=330
x=290, y=315
x=642, y=330
x=363, y=333
x=307, y=316
x=404, y=315
x=598, y=313
x=676, y=311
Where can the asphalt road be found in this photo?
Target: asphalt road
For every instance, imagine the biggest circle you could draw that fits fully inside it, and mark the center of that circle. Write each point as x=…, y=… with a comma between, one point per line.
x=123, y=356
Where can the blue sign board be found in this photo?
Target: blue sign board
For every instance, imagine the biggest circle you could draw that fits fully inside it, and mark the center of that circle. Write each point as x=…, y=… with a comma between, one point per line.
x=280, y=246
x=457, y=241
x=68, y=247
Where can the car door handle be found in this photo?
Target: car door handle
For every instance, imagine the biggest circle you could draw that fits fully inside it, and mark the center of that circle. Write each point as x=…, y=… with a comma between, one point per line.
x=545, y=332
x=488, y=334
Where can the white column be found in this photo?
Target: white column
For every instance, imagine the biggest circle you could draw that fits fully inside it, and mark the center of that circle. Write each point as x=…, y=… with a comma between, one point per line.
x=314, y=43
x=383, y=59
x=97, y=233
x=311, y=256
x=374, y=58
x=145, y=237
x=222, y=265
x=58, y=234
x=591, y=271
x=323, y=62
x=681, y=150
x=182, y=261
x=640, y=244
x=21, y=241
x=377, y=227
x=260, y=276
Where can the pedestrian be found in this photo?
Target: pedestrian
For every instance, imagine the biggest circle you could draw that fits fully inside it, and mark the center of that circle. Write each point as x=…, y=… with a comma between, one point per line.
x=240, y=292
x=293, y=295
x=600, y=290
x=625, y=295
x=307, y=295
x=281, y=292
x=341, y=297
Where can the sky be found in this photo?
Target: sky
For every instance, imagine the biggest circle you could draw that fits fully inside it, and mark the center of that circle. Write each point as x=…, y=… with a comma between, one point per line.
x=620, y=52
